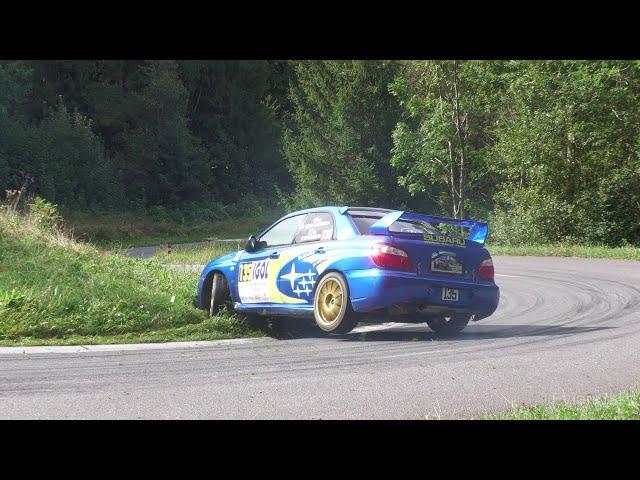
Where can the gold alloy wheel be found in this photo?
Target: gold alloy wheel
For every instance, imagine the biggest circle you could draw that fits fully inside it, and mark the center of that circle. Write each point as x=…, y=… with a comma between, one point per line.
x=330, y=299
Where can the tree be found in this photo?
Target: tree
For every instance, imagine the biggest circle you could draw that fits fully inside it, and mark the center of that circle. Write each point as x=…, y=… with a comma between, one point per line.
x=232, y=110
x=72, y=167
x=338, y=138
x=14, y=88
x=439, y=142
x=567, y=150
x=162, y=162
x=190, y=131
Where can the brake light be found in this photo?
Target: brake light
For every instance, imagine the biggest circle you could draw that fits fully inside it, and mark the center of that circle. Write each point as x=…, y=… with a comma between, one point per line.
x=388, y=256
x=486, y=269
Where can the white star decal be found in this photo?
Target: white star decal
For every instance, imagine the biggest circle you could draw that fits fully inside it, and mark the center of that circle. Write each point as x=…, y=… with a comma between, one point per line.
x=305, y=283
x=293, y=275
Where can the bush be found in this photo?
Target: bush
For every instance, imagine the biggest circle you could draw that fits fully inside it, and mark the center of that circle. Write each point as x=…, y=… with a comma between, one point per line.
x=45, y=214
x=65, y=158
x=530, y=217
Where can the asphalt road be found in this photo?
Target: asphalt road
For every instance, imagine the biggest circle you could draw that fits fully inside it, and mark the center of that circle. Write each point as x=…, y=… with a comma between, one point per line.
x=566, y=328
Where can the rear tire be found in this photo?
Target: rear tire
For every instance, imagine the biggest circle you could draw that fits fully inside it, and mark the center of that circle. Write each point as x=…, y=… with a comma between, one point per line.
x=332, y=306
x=448, y=325
x=220, y=294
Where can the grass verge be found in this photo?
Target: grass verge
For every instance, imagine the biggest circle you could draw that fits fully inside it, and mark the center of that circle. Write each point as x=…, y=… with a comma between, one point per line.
x=625, y=406
x=560, y=250
x=139, y=229
x=196, y=255
x=218, y=328
x=55, y=290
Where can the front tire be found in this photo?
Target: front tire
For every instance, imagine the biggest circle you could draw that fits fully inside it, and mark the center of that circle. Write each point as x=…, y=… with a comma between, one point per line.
x=448, y=325
x=331, y=305
x=220, y=294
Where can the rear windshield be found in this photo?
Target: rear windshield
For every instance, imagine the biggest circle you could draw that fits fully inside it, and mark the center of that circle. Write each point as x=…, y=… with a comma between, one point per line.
x=401, y=226
x=364, y=222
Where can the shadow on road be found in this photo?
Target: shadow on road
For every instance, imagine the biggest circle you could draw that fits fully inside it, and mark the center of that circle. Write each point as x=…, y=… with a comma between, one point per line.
x=475, y=332
x=414, y=333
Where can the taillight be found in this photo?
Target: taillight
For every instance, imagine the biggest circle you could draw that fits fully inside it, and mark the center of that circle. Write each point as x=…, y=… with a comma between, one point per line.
x=388, y=256
x=486, y=269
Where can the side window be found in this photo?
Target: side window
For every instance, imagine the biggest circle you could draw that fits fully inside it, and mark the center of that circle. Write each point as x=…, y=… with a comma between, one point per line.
x=315, y=227
x=282, y=233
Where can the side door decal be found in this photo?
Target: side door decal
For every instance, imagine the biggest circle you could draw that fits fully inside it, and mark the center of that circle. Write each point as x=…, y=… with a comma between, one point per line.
x=253, y=281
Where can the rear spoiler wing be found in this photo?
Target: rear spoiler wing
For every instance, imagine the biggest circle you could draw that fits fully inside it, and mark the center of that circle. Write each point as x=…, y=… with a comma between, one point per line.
x=478, y=231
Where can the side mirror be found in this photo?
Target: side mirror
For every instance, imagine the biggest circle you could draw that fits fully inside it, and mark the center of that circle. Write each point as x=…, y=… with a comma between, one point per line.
x=251, y=244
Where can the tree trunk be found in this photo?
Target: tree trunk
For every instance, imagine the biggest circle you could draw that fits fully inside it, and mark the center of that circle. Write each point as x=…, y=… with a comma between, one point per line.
x=459, y=124
x=452, y=180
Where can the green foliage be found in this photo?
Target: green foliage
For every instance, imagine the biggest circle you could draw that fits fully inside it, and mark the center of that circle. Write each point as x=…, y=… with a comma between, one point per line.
x=441, y=143
x=233, y=111
x=533, y=218
x=550, y=147
x=111, y=134
x=163, y=163
x=44, y=214
x=549, y=151
x=339, y=137
x=62, y=155
x=161, y=225
x=52, y=288
x=12, y=300
x=198, y=255
x=567, y=150
x=625, y=406
x=15, y=85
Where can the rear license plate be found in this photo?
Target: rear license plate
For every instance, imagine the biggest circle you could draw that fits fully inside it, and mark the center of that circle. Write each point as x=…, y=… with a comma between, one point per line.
x=450, y=294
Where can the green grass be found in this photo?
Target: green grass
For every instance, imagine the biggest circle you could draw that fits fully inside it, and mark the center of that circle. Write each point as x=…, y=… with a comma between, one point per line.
x=54, y=290
x=196, y=255
x=219, y=328
x=138, y=229
x=625, y=406
x=561, y=250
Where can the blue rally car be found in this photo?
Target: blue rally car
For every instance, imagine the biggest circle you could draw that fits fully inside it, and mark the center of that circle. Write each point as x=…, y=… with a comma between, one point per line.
x=343, y=264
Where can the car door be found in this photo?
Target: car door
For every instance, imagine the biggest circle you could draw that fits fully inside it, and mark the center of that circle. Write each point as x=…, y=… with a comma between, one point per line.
x=303, y=261
x=257, y=270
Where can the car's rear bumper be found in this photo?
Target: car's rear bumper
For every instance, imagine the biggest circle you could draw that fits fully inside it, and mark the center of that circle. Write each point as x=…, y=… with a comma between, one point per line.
x=374, y=289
